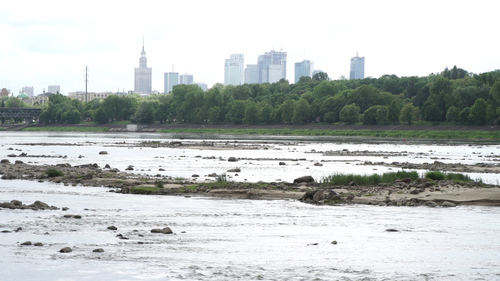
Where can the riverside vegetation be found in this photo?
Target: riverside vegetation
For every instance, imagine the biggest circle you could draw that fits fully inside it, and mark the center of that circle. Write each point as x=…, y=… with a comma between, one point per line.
x=454, y=96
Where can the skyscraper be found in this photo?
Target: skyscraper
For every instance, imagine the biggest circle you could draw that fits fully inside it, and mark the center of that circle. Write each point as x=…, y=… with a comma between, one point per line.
x=357, y=68
x=29, y=90
x=303, y=68
x=170, y=80
x=143, y=75
x=54, y=89
x=251, y=74
x=271, y=67
x=186, y=79
x=234, y=71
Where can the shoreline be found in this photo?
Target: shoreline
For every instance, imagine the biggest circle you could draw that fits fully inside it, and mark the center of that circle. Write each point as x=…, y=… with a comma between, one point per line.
x=400, y=193
x=400, y=131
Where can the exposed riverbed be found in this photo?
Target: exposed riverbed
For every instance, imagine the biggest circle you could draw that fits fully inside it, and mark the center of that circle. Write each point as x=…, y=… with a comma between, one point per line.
x=216, y=239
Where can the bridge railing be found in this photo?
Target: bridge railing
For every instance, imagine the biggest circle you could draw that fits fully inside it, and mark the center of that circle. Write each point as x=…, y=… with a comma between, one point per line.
x=20, y=112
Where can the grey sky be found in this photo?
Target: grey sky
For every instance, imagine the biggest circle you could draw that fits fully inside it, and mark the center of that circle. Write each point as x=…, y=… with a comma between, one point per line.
x=50, y=42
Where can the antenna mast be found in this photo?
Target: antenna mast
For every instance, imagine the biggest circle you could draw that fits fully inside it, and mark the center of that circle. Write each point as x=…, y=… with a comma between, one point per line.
x=86, y=81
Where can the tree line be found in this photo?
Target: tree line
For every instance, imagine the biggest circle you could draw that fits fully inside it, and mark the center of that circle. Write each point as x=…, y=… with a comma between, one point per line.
x=453, y=95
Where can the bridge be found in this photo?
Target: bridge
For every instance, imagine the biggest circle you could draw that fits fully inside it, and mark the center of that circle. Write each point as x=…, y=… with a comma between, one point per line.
x=20, y=112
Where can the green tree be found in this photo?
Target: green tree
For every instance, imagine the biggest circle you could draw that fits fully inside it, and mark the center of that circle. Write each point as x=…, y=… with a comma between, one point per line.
x=2, y=104
x=302, y=111
x=394, y=112
x=441, y=90
x=464, y=115
x=478, y=112
x=145, y=112
x=266, y=113
x=432, y=112
x=320, y=76
x=453, y=114
x=288, y=108
x=237, y=112
x=382, y=115
x=370, y=115
x=100, y=116
x=331, y=117
x=350, y=114
x=251, y=112
x=495, y=90
x=409, y=113
x=214, y=114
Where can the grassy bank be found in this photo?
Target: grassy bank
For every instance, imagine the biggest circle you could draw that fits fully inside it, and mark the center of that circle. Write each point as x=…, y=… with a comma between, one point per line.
x=448, y=134
x=66, y=129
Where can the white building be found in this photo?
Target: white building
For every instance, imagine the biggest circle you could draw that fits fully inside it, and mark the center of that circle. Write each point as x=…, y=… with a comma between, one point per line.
x=303, y=68
x=251, y=74
x=186, y=79
x=29, y=90
x=143, y=75
x=234, y=71
x=170, y=79
x=54, y=89
x=269, y=63
x=357, y=68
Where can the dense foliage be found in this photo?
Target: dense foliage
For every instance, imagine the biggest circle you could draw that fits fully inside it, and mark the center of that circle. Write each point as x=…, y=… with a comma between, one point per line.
x=453, y=95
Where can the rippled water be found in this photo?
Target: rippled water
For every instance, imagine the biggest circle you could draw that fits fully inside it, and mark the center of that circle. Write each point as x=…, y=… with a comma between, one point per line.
x=240, y=239
x=219, y=239
x=299, y=154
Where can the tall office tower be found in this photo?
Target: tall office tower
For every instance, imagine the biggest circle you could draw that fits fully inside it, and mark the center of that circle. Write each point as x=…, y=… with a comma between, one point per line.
x=186, y=79
x=357, y=68
x=54, y=89
x=234, y=71
x=271, y=66
x=170, y=79
x=303, y=68
x=251, y=74
x=143, y=75
x=29, y=91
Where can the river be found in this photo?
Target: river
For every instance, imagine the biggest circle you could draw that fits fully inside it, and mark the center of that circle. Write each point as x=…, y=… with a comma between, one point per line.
x=217, y=239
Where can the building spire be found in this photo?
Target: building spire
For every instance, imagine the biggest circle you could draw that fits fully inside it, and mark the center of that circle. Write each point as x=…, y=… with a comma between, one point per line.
x=143, y=53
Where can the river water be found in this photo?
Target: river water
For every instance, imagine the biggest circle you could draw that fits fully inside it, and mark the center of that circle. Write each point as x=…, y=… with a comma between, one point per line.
x=216, y=239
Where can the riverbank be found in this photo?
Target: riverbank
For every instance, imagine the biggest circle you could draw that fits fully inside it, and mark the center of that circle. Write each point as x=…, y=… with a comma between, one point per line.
x=400, y=193
x=313, y=129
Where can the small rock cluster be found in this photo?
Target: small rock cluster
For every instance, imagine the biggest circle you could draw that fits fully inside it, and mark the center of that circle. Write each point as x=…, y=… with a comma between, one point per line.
x=38, y=205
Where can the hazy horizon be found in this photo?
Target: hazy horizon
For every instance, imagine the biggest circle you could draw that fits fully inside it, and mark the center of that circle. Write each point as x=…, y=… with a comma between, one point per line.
x=51, y=42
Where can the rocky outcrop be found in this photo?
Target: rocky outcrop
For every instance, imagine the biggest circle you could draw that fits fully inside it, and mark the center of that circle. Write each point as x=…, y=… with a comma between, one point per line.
x=306, y=179
x=38, y=205
x=165, y=230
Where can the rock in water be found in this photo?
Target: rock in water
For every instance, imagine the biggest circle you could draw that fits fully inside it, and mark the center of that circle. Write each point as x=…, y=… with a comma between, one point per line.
x=303, y=179
x=66, y=250
x=165, y=230
x=319, y=195
x=448, y=204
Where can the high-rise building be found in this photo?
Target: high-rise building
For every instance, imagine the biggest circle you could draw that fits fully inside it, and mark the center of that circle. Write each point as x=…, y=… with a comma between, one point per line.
x=170, y=80
x=143, y=75
x=357, y=68
x=251, y=74
x=269, y=65
x=303, y=68
x=186, y=79
x=54, y=89
x=202, y=85
x=234, y=73
x=29, y=91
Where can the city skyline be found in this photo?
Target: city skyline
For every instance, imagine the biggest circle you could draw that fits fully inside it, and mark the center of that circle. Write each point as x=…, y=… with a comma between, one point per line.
x=43, y=43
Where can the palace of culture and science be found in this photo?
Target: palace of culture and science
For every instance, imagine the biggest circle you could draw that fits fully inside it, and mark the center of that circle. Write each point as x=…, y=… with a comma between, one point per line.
x=143, y=75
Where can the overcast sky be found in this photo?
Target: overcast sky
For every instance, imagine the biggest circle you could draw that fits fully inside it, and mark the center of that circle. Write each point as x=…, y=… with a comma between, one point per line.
x=50, y=42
